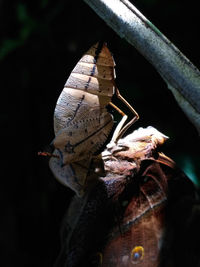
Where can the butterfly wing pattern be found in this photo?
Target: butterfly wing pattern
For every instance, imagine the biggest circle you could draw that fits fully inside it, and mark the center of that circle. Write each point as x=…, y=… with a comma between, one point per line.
x=123, y=219
x=120, y=219
x=81, y=121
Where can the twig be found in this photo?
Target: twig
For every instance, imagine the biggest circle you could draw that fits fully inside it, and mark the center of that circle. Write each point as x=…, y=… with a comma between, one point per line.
x=181, y=76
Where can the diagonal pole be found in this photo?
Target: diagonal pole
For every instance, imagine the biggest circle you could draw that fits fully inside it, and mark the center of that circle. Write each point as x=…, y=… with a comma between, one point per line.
x=181, y=76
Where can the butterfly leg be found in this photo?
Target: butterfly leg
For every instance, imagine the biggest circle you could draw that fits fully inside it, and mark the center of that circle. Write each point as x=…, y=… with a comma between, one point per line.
x=121, y=128
x=120, y=124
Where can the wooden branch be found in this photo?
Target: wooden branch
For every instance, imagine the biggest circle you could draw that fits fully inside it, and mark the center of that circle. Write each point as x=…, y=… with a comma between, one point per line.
x=181, y=76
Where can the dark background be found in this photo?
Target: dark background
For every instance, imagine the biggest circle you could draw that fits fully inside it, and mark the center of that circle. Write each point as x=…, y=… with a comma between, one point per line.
x=41, y=41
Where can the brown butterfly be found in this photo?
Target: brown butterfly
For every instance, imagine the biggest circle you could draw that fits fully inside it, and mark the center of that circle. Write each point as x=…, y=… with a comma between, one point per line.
x=82, y=122
x=124, y=219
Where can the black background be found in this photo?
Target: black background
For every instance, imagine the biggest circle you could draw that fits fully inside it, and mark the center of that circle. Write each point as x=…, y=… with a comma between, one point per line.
x=41, y=42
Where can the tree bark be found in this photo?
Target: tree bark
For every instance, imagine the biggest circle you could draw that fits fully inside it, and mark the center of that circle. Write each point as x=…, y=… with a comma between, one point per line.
x=181, y=76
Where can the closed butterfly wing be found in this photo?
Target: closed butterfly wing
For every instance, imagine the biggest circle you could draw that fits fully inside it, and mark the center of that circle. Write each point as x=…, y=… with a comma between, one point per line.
x=137, y=240
x=125, y=220
x=81, y=121
x=90, y=85
x=80, y=140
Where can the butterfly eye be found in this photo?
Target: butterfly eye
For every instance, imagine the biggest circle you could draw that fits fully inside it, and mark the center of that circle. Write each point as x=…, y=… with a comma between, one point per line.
x=137, y=254
x=97, y=259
